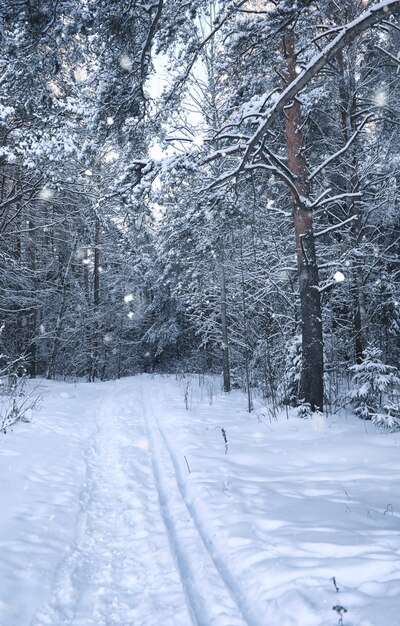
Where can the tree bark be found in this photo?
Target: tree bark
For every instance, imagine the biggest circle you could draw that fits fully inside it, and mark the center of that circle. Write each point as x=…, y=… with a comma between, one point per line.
x=311, y=377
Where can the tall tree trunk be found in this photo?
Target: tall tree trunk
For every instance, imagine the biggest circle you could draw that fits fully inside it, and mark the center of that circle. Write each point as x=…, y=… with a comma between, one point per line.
x=210, y=60
x=348, y=110
x=246, y=333
x=311, y=377
x=88, y=318
x=224, y=331
x=32, y=316
x=96, y=300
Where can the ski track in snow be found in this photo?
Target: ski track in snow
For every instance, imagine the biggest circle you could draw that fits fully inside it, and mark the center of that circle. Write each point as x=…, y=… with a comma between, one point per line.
x=119, y=571
x=213, y=595
x=139, y=555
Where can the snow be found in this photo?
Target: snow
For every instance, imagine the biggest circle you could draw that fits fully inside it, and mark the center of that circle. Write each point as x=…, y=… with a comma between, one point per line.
x=126, y=62
x=339, y=277
x=156, y=500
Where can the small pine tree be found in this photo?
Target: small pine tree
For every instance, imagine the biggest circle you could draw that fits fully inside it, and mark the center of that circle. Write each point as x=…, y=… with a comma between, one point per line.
x=390, y=419
x=288, y=390
x=376, y=390
x=304, y=410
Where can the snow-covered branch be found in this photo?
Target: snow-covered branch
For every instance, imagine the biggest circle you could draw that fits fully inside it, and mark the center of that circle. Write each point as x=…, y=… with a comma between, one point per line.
x=367, y=19
x=335, y=226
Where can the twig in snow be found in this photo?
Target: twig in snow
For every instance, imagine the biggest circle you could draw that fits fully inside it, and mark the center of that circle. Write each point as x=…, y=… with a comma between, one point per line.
x=225, y=439
x=187, y=464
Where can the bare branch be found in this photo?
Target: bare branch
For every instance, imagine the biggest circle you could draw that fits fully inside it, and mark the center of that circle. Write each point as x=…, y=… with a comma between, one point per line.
x=334, y=156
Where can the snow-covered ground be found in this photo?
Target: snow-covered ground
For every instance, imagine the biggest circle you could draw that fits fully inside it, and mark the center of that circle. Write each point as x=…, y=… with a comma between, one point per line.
x=122, y=505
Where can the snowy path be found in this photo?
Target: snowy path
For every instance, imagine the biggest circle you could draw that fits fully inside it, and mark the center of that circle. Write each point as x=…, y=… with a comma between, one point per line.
x=120, y=570
x=138, y=557
x=121, y=505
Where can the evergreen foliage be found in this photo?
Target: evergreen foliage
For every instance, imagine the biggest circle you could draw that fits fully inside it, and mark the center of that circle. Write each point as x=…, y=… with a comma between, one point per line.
x=289, y=386
x=376, y=390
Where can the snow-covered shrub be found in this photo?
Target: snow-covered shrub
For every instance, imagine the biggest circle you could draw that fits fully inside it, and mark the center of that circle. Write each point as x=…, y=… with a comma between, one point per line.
x=15, y=405
x=288, y=389
x=304, y=410
x=376, y=390
x=389, y=419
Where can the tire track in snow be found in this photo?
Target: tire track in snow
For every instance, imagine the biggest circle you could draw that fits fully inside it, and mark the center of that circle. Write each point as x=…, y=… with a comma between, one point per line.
x=213, y=593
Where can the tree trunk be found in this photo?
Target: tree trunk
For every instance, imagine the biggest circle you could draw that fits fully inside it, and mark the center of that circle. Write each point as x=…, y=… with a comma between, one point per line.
x=348, y=110
x=210, y=60
x=60, y=317
x=246, y=334
x=32, y=316
x=224, y=332
x=96, y=300
x=311, y=377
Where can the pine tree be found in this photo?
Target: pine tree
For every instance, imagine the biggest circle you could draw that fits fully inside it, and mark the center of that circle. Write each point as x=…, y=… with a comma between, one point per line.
x=376, y=390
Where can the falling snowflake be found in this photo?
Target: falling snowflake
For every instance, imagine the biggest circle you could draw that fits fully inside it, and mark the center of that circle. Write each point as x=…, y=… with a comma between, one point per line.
x=380, y=98
x=46, y=193
x=339, y=277
x=126, y=62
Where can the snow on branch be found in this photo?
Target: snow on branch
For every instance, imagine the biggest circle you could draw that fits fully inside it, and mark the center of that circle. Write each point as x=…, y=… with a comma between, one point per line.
x=368, y=18
x=348, y=33
x=340, y=196
x=223, y=152
x=149, y=40
x=335, y=226
x=182, y=79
